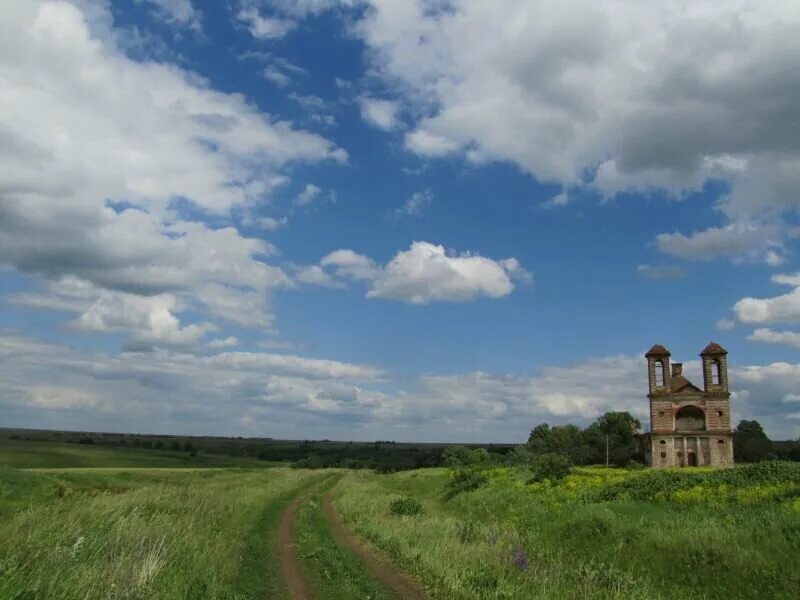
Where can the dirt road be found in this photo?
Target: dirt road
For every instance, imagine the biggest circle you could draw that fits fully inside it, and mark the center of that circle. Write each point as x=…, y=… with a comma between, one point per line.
x=295, y=583
x=397, y=583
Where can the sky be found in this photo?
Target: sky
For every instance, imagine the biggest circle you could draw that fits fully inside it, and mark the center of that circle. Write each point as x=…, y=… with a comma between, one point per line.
x=425, y=220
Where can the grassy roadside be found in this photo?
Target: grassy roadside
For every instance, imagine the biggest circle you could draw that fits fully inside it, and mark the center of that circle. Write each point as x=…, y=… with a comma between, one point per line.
x=141, y=534
x=511, y=539
x=334, y=572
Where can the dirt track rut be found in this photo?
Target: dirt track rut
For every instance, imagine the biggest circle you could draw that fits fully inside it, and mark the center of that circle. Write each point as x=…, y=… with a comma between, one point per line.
x=397, y=583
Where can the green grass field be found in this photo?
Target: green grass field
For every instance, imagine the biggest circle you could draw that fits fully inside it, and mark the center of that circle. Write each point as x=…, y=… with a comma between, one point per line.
x=142, y=534
x=84, y=522
x=588, y=537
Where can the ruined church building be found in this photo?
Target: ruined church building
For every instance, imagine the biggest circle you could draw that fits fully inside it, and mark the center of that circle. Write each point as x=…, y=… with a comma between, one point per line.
x=688, y=426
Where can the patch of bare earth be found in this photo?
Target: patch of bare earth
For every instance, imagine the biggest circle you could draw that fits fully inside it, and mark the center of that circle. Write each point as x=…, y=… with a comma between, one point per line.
x=399, y=584
x=293, y=579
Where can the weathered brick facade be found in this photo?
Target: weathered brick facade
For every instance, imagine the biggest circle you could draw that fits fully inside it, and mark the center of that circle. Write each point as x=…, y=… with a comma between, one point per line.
x=688, y=426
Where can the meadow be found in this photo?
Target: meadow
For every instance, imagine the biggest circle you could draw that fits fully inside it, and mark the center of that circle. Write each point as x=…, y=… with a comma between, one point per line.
x=81, y=521
x=142, y=533
x=598, y=533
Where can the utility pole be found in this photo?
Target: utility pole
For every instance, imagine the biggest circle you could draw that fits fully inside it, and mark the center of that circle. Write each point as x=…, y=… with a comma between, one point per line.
x=606, y=449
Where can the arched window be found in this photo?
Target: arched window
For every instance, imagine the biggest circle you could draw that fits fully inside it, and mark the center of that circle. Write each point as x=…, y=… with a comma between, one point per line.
x=690, y=418
x=716, y=373
x=660, y=373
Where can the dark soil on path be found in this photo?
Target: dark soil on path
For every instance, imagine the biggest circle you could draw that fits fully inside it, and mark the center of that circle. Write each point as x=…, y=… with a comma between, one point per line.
x=296, y=585
x=379, y=566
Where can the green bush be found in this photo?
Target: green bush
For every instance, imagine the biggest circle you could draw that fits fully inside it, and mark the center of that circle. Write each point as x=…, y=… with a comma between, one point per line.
x=551, y=465
x=463, y=481
x=461, y=456
x=407, y=506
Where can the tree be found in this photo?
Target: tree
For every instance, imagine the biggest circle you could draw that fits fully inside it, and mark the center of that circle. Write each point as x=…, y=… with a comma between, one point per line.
x=461, y=456
x=563, y=439
x=751, y=443
x=616, y=431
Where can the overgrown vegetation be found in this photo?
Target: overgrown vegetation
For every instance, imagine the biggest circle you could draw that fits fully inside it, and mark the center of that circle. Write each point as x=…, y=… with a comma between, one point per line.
x=597, y=532
x=462, y=481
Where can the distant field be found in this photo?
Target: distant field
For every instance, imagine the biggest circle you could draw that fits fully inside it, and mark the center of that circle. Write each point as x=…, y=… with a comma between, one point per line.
x=600, y=533
x=55, y=455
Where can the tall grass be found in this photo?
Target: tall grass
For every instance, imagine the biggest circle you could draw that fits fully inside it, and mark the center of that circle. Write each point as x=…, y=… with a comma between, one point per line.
x=164, y=534
x=579, y=538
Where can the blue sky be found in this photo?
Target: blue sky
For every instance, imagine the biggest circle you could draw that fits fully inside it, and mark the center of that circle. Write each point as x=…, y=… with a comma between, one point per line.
x=424, y=220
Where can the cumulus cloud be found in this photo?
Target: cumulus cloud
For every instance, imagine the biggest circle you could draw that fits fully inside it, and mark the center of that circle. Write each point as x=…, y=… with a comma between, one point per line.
x=609, y=95
x=426, y=273
x=379, y=113
x=784, y=308
x=150, y=319
x=85, y=194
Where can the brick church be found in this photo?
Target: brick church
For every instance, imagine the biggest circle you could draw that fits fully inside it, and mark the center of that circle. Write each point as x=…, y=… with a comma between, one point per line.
x=689, y=426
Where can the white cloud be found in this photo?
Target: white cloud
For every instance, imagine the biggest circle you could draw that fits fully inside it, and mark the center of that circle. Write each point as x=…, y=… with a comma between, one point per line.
x=149, y=319
x=177, y=12
x=784, y=308
x=426, y=273
x=768, y=336
x=428, y=144
x=315, y=275
x=223, y=342
x=609, y=96
x=307, y=196
x=263, y=27
x=557, y=89
x=84, y=194
x=379, y=113
x=414, y=206
x=348, y=263
x=740, y=240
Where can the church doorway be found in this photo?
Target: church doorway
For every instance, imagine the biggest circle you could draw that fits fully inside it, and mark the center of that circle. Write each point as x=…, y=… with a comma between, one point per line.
x=691, y=459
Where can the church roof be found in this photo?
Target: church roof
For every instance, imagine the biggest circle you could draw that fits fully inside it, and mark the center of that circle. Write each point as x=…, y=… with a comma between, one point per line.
x=678, y=383
x=713, y=348
x=658, y=350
